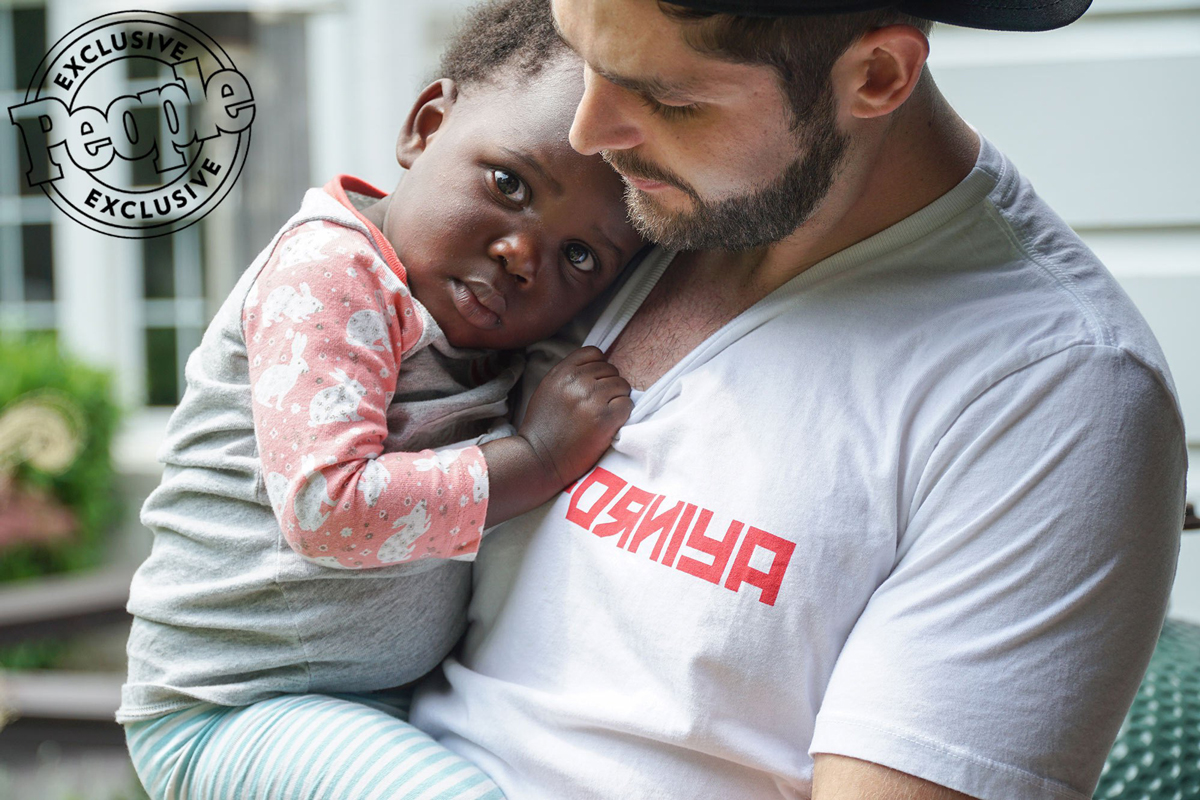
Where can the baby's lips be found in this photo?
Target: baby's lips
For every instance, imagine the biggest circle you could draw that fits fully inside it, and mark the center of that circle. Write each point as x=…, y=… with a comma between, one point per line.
x=487, y=296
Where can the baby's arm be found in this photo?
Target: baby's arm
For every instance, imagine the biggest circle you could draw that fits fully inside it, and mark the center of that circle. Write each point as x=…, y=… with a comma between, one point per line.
x=571, y=420
x=323, y=365
x=325, y=327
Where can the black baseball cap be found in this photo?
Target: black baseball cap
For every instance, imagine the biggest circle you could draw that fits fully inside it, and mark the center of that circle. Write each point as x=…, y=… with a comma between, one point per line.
x=1009, y=15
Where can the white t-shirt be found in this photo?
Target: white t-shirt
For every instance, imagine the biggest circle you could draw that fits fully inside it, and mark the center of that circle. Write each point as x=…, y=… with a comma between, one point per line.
x=919, y=506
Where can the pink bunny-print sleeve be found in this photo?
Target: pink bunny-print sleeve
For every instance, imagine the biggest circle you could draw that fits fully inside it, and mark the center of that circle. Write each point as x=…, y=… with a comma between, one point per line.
x=325, y=324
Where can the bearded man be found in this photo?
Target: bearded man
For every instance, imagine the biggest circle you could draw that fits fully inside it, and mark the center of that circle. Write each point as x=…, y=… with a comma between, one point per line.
x=897, y=509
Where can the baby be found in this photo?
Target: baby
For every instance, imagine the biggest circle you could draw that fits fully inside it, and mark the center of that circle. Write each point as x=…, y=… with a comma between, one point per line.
x=309, y=544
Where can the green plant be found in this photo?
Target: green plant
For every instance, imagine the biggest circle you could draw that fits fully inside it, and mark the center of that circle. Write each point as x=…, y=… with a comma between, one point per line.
x=34, y=371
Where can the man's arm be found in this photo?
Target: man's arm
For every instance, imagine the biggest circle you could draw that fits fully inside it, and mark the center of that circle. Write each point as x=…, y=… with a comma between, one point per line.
x=1032, y=571
x=842, y=778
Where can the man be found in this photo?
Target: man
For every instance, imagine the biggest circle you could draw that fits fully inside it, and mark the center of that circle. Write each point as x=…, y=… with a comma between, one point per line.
x=897, y=510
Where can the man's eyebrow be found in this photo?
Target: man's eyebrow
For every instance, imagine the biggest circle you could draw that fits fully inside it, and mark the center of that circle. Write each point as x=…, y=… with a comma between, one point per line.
x=649, y=86
x=533, y=164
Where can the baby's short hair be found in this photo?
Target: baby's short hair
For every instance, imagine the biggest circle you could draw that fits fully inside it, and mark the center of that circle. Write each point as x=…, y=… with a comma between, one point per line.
x=499, y=35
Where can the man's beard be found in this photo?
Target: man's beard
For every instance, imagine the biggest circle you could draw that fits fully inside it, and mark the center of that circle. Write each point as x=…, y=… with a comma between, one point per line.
x=765, y=215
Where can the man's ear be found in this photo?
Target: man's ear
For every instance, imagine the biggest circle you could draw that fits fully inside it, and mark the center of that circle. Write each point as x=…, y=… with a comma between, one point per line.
x=424, y=120
x=880, y=70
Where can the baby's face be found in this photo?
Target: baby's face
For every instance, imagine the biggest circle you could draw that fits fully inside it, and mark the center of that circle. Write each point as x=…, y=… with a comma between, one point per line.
x=505, y=231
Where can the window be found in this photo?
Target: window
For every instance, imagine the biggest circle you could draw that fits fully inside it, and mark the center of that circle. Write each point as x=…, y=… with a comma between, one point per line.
x=27, y=291
x=173, y=271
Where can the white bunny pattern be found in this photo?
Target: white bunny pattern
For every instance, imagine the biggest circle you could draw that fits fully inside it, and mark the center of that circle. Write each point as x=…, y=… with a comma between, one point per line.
x=479, y=482
x=411, y=527
x=374, y=479
x=279, y=379
x=337, y=403
x=304, y=246
x=441, y=459
x=365, y=328
x=340, y=500
x=284, y=301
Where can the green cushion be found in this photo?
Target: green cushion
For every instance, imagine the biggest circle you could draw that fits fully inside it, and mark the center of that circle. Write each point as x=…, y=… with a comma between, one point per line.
x=1157, y=752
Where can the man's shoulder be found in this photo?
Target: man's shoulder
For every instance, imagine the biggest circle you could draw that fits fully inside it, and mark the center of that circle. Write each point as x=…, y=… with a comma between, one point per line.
x=1060, y=279
x=980, y=286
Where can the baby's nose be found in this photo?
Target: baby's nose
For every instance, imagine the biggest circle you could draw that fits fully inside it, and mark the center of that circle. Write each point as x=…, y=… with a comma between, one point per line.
x=517, y=254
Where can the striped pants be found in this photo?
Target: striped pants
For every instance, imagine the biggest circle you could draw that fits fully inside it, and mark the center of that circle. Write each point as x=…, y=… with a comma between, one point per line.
x=300, y=747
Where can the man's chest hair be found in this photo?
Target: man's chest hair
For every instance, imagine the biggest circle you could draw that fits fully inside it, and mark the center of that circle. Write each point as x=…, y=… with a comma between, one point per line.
x=680, y=312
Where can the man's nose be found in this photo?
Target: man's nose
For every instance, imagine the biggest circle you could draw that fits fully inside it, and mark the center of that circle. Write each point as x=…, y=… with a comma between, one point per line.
x=602, y=121
x=517, y=254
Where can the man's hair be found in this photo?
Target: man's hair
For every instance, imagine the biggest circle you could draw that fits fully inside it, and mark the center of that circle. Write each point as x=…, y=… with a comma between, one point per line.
x=801, y=49
x=500, y=35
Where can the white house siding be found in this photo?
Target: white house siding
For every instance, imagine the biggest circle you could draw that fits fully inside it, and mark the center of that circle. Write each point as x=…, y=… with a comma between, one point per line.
x=1104, y=118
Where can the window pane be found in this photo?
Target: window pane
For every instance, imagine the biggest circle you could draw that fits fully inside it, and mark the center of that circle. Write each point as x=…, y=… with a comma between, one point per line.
x=10, y=264
x=194, y=114
x=22, y=180
x=202, y=249
x=18, y=179
x=37, y=249
x=29, y=43
x=144, y=173
x=141, y=67
x=161, y=367
x=158, y=264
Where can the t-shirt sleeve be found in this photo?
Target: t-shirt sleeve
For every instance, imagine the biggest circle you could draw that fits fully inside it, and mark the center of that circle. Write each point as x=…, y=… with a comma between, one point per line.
x=325, y=325
x=1002, y=652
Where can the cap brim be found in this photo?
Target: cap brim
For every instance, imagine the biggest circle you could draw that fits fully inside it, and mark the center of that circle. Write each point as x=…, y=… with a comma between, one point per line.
x=1011, y=15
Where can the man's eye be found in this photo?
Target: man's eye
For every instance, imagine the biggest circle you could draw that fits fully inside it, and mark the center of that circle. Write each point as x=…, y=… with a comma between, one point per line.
x=510, y=186
x=668, y=111
x=580, y=257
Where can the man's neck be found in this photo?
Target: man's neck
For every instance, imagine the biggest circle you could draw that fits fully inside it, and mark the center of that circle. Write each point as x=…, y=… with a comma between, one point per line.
x=925, y=152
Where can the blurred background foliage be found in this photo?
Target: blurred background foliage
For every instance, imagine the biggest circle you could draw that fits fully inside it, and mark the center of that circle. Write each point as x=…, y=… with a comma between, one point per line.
x=37, y=382
x=31, y=367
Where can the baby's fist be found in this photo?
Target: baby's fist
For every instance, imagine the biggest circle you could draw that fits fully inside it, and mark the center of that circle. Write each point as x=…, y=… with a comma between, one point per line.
x=577, y=409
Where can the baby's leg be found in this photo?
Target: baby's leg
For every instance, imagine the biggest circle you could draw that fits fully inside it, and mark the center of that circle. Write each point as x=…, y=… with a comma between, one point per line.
x=301, y=747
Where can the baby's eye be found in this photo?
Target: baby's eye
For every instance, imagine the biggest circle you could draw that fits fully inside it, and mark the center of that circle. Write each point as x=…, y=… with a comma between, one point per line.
x=510, y=186
x=580, y=257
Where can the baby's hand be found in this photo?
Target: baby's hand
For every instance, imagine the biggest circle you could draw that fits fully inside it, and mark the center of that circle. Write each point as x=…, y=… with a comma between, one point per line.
x=575, y=412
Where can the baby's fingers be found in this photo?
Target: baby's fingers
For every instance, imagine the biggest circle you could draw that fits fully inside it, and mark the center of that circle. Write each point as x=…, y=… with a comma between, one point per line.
x=596, y=370
x=612, y=387
x=619, y=409
x=584, y=355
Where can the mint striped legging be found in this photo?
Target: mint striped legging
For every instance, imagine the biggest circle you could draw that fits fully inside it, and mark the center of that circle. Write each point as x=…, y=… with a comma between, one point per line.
x=300, y=747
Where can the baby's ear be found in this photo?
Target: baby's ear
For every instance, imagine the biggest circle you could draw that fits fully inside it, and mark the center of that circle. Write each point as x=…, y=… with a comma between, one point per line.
x=424, y=120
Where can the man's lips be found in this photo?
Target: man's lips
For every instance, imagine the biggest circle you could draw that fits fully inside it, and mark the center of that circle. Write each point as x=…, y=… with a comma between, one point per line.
x=479, y=303
x=644, y=184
